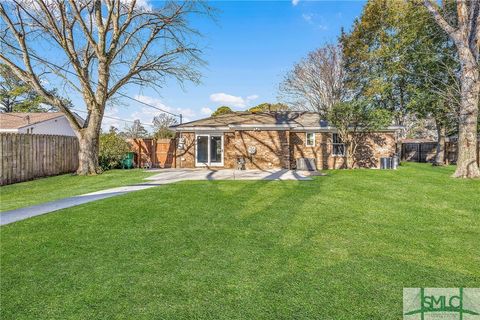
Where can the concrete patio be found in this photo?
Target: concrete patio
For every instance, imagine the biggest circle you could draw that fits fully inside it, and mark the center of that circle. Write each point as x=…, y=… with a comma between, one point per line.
x=174, y=175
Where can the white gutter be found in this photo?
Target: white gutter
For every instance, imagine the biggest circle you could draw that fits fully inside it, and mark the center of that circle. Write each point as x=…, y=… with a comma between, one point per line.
x=325, y=129
x=9, y=130
x=191, y=129
x=257, y=127
x=281, y=127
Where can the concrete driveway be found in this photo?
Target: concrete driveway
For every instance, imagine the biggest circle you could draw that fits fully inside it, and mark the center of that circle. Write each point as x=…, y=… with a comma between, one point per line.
x=174, y=175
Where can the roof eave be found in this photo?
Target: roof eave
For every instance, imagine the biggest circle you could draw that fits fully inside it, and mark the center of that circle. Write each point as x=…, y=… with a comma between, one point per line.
x=41, y=121
x=257, y=127
x=204, y=129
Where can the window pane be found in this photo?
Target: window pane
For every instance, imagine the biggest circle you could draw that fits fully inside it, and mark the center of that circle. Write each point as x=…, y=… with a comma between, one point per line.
x=336, y=138
x=338, y=149
x=216, y=149
x=202, y=149
x=310, y=139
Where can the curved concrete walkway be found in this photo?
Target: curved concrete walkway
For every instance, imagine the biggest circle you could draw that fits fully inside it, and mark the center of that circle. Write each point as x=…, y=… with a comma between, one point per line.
x=164, y=176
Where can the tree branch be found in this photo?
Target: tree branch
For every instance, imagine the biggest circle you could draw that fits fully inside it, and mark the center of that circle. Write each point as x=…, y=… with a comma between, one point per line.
x=434, y=10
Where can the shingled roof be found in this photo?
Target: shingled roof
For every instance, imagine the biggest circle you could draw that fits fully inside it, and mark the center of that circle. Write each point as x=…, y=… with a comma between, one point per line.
x=281, y=119
x=16, y=120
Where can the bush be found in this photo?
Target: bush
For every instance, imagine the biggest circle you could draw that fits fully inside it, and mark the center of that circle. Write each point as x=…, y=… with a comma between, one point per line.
x=112, y=150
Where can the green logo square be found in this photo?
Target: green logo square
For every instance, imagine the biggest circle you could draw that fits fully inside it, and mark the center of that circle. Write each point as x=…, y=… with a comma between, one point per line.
x=441, y=303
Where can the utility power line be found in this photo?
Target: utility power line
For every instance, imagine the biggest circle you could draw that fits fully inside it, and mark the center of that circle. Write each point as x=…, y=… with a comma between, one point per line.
x=73, y=73
x=115, y=118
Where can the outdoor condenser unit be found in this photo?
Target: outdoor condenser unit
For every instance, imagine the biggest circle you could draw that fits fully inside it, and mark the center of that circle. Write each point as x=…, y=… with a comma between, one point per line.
x=306, y=164
x=388, y=163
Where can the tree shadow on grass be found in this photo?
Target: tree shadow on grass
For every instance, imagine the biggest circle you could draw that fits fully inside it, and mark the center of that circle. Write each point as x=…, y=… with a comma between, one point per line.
x=208, y=250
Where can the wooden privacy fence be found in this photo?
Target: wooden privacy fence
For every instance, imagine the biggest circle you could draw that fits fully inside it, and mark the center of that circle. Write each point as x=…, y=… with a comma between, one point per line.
x=155, y=153
x=425, y=152
x=29, y=156
x=419, y=152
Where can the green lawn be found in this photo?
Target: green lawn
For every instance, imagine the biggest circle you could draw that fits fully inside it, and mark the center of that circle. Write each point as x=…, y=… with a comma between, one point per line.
x=53, y=188
x=340, y=247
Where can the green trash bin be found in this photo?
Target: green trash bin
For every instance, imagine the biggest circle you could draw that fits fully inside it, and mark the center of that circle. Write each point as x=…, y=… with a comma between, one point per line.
x=127, y=162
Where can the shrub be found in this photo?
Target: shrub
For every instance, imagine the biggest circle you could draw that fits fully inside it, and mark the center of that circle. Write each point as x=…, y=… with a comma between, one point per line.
x=112, y=150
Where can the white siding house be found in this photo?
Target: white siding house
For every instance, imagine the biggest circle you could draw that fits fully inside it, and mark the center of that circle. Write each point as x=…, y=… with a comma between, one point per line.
x=53, y=123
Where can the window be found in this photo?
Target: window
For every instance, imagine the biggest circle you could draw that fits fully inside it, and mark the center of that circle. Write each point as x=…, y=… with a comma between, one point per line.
x=310, y=139
x=338, y=145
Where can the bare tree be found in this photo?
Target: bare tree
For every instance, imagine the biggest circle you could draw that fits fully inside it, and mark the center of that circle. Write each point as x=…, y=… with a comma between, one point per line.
x=162, y=124
x=465, y=33
x=316, y=82
x=135, y=131
x=100, y=46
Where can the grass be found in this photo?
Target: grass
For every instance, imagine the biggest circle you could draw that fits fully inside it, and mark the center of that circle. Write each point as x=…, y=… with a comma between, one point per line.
x=340, y=247
x=53, y=188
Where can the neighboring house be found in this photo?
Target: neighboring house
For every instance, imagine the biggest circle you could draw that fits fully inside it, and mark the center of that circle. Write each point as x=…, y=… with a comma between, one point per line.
x=53, y=123
x=273, y=140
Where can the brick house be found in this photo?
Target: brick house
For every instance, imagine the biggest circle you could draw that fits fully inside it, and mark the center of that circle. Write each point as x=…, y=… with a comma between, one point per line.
x=273, y=140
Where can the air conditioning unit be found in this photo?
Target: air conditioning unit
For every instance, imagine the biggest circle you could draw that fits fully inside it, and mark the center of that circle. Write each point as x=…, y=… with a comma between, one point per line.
x=387, y=163
x=306, y=164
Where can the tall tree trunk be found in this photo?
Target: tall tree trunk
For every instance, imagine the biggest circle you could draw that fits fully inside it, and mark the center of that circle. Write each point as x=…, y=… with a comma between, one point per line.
x=467, y=166
x=349, y=161
x=88, y=139
x=88, y=155
x=440, y=152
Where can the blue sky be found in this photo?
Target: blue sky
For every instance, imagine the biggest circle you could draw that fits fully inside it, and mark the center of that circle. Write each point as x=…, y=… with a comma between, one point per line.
x=248, y=50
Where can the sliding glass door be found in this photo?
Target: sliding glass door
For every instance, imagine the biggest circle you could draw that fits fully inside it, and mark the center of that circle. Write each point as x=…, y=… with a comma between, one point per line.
x=209, y=150
x=202, y=149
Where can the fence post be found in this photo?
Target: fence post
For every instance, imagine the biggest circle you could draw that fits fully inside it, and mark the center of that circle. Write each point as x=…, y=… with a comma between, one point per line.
x=27, y=156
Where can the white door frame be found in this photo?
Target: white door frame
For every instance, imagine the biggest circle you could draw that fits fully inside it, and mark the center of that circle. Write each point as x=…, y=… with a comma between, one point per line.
x=208, y=163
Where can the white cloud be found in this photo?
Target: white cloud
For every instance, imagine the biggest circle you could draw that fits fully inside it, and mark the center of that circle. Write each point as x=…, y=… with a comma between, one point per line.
x=295, y=2
x=206, y=111
x=141, y=4
x=107, y=122
x=145, y=4
x=232, y=101
x=149, y=113
x=307, y=17
x=227, y=99
x=143, y=113
x=313, y=19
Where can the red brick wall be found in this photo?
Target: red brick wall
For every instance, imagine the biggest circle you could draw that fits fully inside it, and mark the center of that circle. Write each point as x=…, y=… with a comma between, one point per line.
x=230, y=154
x=319, y=152
x=272, y=148
x=186, y=157
x=280, y=149
x=376, y=145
